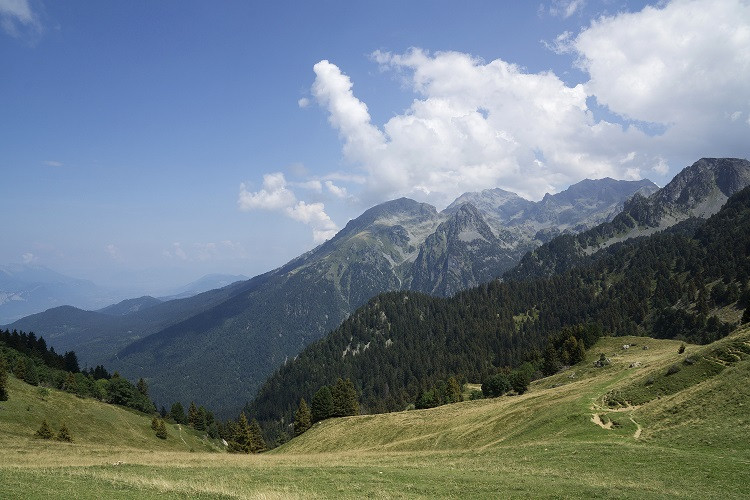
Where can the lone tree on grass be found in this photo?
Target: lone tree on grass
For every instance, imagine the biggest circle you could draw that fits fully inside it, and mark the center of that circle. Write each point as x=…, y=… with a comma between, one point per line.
x=44, y=431
x=161, y=429
x=302, y=418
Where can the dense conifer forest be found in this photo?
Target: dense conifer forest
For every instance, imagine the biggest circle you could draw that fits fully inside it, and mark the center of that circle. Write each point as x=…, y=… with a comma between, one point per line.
x=689, y=283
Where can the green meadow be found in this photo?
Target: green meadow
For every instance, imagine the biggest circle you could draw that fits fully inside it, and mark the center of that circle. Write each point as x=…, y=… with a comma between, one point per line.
x=635, y=428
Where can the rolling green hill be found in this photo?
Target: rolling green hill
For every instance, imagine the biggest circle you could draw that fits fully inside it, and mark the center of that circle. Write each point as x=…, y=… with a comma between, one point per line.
x=94, y=426
x=561, y=439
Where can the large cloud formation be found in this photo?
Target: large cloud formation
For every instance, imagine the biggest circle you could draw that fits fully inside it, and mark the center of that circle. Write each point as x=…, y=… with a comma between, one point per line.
x=666, y=85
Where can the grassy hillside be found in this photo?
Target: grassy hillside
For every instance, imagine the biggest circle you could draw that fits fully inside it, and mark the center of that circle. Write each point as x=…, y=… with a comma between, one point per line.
x=94, y=426
x=567, y=437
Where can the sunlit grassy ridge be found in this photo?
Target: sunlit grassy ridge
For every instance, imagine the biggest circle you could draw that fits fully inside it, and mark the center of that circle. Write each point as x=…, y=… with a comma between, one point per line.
x=546, y=443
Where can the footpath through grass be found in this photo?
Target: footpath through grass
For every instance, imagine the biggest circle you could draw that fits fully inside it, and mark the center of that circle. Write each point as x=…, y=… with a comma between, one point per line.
x=543, y=444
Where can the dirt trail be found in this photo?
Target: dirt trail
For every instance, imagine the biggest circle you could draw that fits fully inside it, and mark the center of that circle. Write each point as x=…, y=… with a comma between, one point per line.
x=179, y=428
x=597, y=419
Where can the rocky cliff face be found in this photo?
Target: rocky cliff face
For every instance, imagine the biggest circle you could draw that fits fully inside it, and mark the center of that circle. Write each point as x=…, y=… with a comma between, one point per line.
x=699, y=190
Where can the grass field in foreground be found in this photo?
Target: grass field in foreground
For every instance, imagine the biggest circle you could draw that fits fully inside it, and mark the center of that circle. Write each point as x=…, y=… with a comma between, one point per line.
x=692, y=443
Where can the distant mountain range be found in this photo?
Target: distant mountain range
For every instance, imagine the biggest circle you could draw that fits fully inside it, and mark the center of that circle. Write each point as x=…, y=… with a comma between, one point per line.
x=218, y=347
x=698, y=191
x=239, y=335
x=27, y=289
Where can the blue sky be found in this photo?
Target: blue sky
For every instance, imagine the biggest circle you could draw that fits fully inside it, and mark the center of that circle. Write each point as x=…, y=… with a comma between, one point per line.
x=148, y=143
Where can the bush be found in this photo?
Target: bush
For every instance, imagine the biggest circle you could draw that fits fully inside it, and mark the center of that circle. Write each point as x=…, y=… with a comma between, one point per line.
x=673, y=369
x=495, y=386
x=519, y=381
x=44, y=431
x=681, y=349
x=475, y=394
x=64, y=434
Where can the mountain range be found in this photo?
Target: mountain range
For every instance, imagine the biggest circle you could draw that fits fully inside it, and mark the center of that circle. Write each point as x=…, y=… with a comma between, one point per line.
x=218, y=347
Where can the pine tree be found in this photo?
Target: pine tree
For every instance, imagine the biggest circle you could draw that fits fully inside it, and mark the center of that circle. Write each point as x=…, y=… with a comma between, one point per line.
x=746, y=316
x=177, y=412
x=155, y=423
x=44, y=431
x=3, y=380
x=161, y=429
x=241, y=440
x=142, y=387
x=302, y=418
x=453, y=391
x=344, y=398
x=64, y=434
x=256, y=441
x=192, y=414
x=200, y=422
x=322, y=404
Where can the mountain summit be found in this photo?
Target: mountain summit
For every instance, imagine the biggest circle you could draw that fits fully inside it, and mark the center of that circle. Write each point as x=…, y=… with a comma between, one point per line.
x=223, y=352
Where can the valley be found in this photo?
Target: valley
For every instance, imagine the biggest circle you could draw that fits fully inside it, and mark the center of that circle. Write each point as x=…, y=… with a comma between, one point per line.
x=541, y=444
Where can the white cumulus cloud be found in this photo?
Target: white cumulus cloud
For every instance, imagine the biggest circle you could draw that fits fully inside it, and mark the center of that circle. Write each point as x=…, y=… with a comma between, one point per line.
x=675, y=76
x=684, y=64
x=275, y=195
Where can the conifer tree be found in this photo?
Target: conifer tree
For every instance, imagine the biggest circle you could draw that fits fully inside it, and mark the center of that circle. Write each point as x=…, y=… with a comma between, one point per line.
x=322, y=404
x=746, y=316
x=256, y=442
x=142, y=387
x=192, y=414
x=200, y=422
x=161, y=429
x=155, y=423
x=44, y=432
x=213, y=431
x=64, y=434
x=453, y=391
x=344, y=396
x=177, y=412
x=241, y=438
x=302, y=418
x=3, y=380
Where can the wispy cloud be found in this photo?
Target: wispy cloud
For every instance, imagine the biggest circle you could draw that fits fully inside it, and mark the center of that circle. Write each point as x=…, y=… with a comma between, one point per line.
x=52, y=163
x=28, y=258
x=18, y=20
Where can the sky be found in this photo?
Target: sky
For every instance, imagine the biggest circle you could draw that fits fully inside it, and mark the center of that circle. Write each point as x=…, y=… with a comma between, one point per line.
x=149, y=143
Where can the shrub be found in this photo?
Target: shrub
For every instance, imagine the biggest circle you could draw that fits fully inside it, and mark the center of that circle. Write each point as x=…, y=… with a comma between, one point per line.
x=475, y=394
x=161, y=429
x=64, y=434
x=495, y=386
x=44, y=431
x=681, y=349
x=673, y=369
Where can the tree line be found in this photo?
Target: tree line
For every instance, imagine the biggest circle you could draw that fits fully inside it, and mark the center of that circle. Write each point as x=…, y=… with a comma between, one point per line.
x=397, y=347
